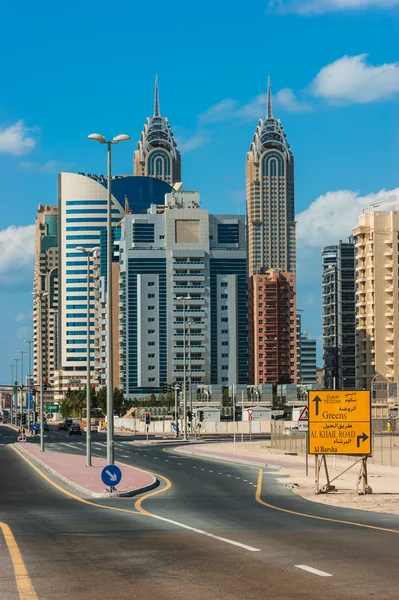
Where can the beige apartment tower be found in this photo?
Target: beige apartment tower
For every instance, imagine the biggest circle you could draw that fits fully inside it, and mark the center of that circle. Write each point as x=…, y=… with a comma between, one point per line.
x=377, y=324
x=271, y=247
x=46, y=280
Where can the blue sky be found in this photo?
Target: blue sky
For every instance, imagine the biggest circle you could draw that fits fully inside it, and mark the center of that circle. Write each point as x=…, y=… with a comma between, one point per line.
x=69, y=70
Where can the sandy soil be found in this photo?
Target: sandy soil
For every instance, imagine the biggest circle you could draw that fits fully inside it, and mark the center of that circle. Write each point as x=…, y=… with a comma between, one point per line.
x=383, y=480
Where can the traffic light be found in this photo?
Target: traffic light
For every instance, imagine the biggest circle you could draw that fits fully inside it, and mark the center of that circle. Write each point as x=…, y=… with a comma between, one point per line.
x=33, y=391
x=68, y=390
x=147, y=418
x=190, y=415
x=45, y=384
x=201, y=415
x=23, y=418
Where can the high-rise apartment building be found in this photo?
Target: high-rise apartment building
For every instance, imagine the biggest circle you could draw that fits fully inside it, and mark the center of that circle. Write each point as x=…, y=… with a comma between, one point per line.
x=46, y=280
x=271, y=239
x=82, y=211
x=271, y=312
x=308, y=361
x=182, y=285
x=157, y=154
x=339, y=315
x=377, y=315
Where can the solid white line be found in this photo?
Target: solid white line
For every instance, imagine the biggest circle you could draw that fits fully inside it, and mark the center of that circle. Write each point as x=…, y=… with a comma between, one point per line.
x=70, y=446
x=125, y=456
x=314, y=571
x=215, y=537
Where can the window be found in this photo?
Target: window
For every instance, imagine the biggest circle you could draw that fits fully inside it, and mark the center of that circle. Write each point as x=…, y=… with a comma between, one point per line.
x=225, y=355
x=225, y=343
x=151, y=367
x=224, y=284
x=224, y=319
x=151, y=319
x=225, y=367
x=151, y=343
x=224, y=307
x=151, y=308
x=228, y=233
x=143, y=233
x=151, y=295
x=151, y=379
x=224, y=296
x=225, y=331
x=151, y=331
x=151, y=283
x=151, y=356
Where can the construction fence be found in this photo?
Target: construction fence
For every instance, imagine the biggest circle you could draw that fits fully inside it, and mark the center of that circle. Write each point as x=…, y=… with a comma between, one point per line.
x=385, y=441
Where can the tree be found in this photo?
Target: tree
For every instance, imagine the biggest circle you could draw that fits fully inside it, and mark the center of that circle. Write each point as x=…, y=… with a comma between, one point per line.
x=120, y=406
x=161, y=399
x=226, y=397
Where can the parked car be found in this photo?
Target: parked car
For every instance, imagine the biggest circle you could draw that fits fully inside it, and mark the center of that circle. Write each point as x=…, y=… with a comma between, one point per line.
x=68, y=422
x=62, y=426
x=75, y=429
x=45, y=426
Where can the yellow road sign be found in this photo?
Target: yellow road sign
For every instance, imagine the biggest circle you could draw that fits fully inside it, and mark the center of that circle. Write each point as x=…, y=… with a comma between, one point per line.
x=339, y=422
x=340, y=438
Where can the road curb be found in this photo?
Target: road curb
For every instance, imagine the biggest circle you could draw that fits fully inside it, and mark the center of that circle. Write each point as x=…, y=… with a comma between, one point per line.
x=182, y=450
x=85, y=491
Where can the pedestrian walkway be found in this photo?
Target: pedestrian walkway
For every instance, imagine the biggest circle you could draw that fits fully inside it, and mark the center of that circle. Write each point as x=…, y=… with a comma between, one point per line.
x=71, y=469
x=215, y=451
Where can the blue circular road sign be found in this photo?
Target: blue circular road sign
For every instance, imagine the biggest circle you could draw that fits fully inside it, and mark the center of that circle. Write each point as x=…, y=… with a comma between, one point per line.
x=111, y=475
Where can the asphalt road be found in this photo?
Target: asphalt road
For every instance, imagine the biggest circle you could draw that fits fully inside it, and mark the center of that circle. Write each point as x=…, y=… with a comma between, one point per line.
x=77, y=550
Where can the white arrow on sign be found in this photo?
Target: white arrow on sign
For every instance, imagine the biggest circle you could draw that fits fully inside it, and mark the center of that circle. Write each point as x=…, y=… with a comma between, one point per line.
x=112, y=476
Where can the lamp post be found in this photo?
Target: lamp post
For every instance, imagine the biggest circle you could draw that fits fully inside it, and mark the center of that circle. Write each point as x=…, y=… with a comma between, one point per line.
x=372, y=387
x=22, y=352
x=16, y=381
x=190, y=322
x=110, y=384
x=12, y=388
x=29, y=342
x=39, y=297
x=183, y=299
x=88, y=254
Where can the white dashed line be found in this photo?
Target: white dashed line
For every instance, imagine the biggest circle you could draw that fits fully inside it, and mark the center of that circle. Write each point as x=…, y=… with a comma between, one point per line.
x=166, y=460
x=228, y=475
x=246, y=480
x=210, y=471
x=125, y=455
x=314, y=571
x=220, y=473
x=179, y=464
x=238, y=477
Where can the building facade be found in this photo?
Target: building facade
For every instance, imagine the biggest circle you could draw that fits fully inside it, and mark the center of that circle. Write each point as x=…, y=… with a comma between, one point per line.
x=339, y=315
x=308, y=362
x=183, y=297
x=377, y=318
x=271, y=240
x=82, y=210
x=157, y=154
x=46, y=280
x=272, y=336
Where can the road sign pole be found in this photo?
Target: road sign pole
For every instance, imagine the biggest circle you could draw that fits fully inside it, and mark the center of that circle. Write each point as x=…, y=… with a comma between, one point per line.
x=234, y=416
x=307, y=455
x=176, y=411
x=242, y=416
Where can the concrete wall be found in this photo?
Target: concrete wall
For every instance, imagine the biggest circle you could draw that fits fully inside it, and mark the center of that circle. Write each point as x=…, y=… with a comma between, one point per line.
x=166, y=427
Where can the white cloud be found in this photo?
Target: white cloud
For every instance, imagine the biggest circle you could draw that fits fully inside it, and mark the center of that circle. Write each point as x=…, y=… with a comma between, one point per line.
x=287, y=99
x=51, y=166
x=192, y=143
x=351, y=79
x=317, y=7
x=332, y=216
x=222, y=111
x=16, y=139
x=22, y=317
x=17, y=254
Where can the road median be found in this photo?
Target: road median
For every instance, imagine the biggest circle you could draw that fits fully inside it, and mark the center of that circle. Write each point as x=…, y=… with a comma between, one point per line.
x=71, y=470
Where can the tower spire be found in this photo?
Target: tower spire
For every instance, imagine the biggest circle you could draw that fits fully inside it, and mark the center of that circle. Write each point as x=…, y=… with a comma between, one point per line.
x=157, y=112
x=269, y=112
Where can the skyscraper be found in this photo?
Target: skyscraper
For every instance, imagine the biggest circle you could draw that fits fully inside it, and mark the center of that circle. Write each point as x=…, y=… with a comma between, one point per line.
x=377, y=292
x=339, y=315
x=46, y=280
x=182, y=286
x=271, y=247
x=157, y=154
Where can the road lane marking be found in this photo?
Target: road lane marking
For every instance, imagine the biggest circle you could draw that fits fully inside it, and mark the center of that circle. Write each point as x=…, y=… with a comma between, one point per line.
x=314, y=571
x=179, y=464
x=125, y=456
x=25, y=588
x=308, y=516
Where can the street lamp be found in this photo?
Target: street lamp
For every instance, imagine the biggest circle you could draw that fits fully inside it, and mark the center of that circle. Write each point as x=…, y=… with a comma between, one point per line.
x=39, y=296
x=89, y=254
x=12, y=387
x=22, y=352
x=29, y=342
x=110, y=384
x=16, y=381
x=372, y=387
x=190, y=322
x=183, y=299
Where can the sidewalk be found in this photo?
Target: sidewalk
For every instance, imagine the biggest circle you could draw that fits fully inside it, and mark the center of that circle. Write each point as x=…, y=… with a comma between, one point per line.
x=383, y=480
x=71, y=469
